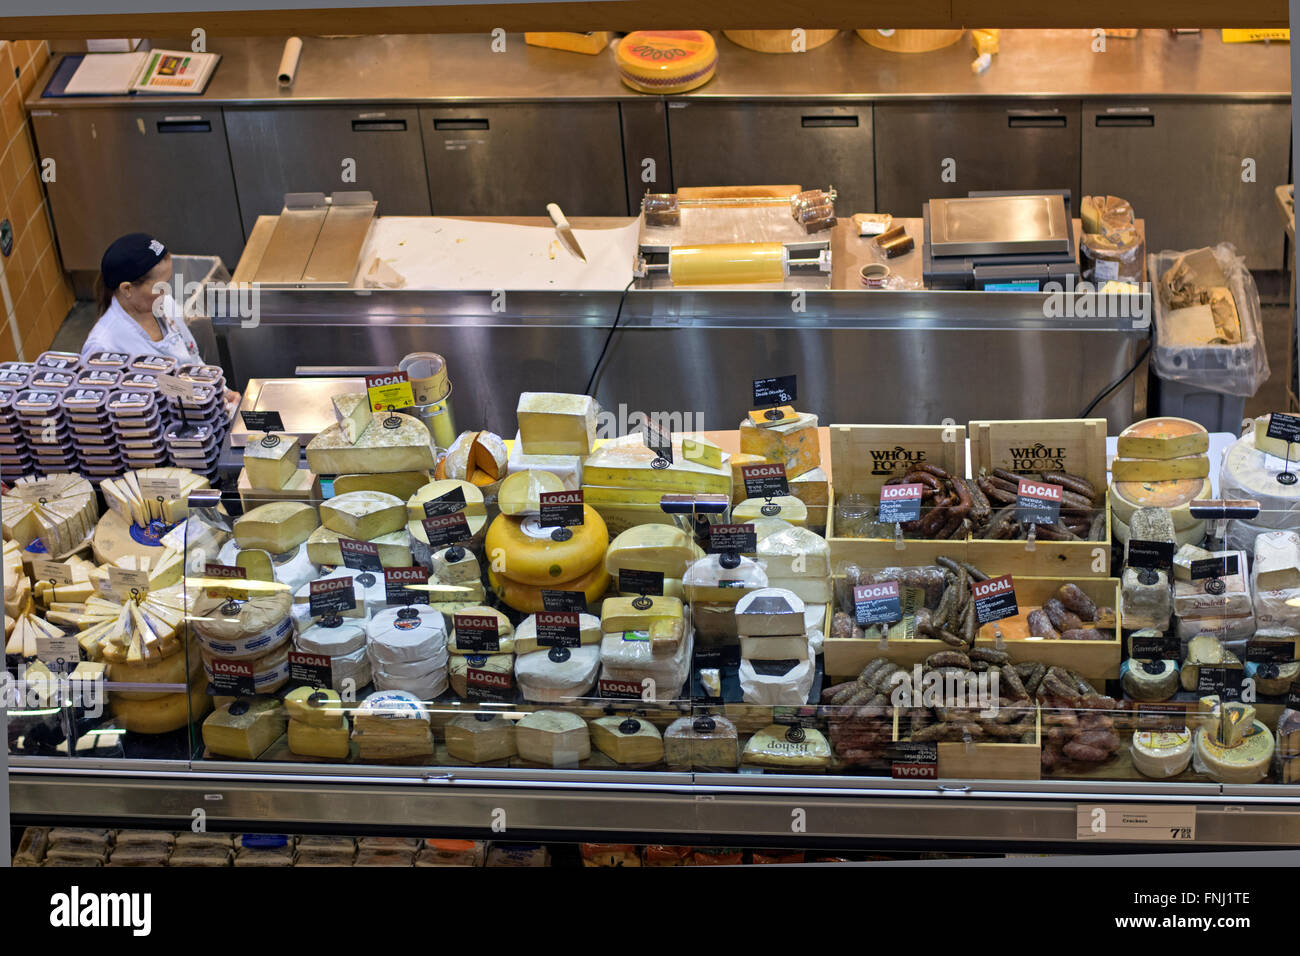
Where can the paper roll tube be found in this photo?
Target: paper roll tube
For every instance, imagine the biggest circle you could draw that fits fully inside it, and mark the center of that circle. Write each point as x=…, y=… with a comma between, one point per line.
x=289, y=61
x=727, y=263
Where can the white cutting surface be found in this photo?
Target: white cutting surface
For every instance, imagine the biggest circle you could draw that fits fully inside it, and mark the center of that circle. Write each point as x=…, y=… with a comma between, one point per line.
x=435, y=252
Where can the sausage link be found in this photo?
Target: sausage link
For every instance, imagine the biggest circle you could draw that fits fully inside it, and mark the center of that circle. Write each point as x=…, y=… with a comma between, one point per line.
x=1062, y=619
x=1040, y=625
x=1072, y=596
x=1074, y=483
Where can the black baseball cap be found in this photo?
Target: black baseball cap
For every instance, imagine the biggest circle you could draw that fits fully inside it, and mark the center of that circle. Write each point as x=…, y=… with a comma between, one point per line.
x=130, y=258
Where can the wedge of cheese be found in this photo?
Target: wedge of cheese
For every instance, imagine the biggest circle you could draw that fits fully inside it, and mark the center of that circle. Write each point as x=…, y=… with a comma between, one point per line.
x=270, y=460
x=554, y=423
x=792, y=443
x=1162, y=439
x=407, y=446
x=474, y=505
x=521, y=492
x=363, y=515
x=786, y=507
x=276, y=527
x=352, y=413
x=627, y=739
x=666, y=549
x=394, y=548
x=1154, y=469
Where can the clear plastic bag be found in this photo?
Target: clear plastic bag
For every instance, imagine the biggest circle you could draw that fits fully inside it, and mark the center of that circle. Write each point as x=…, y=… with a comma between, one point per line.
x=1180, y=279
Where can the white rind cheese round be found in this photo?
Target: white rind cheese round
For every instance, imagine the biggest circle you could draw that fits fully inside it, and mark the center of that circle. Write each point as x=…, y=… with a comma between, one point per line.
x=393, y=705
x=402, y=670
x=461, y=664
x=242, y=629
x=568, y=673
x=1249, y=473
x=333, y=640
x=354, y=667
x=425, y=687
x=1150, y=680
x=1159, y=755
x=406, y=634
x=1247, y=762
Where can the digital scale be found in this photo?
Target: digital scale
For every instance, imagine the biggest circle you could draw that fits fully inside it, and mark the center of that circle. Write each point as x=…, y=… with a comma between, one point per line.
x=999, y=241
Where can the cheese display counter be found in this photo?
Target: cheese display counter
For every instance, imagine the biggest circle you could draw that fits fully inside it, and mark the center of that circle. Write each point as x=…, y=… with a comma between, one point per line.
x=958, y=633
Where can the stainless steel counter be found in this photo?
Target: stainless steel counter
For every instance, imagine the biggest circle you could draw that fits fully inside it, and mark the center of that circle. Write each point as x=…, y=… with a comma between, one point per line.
x=449, y=68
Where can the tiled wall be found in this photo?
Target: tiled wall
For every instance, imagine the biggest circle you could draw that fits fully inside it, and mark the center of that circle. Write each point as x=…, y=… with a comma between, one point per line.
x=34, y=293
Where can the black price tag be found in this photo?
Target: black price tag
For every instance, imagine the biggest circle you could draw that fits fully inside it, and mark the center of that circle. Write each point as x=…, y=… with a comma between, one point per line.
x=619, y=689
x=265, y=421
x=1223, y=681
x=1156, y=555
x=660, y=441
x=477, y=632
x=899, y=503
x=764, y=481
x=232, y=678
x=640, y=582
x=733, y=539
x=446, y=529
x=1163, y=716
x=560, y=509
x=913, y=761
x=314, y=670
x=360, y=555
x=1038, y=502
x=482, y=684
x=994, y=599
x=780, y=390
x=1270, y=650
x=331, y=596
x=1152, y=647
x=1284, y=427
x=1224, y=566
x=877, y=603
x=717, y=656
x=1293, y=696
x=406, y=585
x=558, y=629
x=564, y=601
x=448, y=504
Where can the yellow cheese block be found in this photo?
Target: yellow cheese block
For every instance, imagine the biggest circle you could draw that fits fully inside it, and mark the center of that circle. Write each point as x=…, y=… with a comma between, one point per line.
x=626, y=462
x=525, y=552
x=521, y=491
x=652, y=547
x=619, y=519
x=812, y=488
x=793, y=443
x=403, y=484
x=620, y=613
x=556, y=423
x=701, y=451
x=478, y=738
x=599, y=496
x=1162, y=438
x=276, y=527
x=1154, y=469
x=505, y=632
x=474, y=505
x=317, y=707
x=308, y=740
x=526, y=636
x=589, y=43
x=738, y=493
x=405, y=447
x=244, y=728
x=627, y=739
x=363, y=515
x=1273, y=446
x=527, y=598
x=786, y=507
x=394, y=548
x=271, y=460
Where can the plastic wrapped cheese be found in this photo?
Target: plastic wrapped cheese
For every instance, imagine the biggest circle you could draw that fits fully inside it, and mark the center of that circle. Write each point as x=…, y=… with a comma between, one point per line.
x=1215, y=597
x=406, y=634
x=652, y=547
x=353, y=668
x=779, y=746
x=242, y=629
x=270, y=670
x=367, y=589
x=526, y=634
x=1161, y=754
x=797, y=559
x=556, y=674
x=333, y=637
x=703, y=742
x=778, y=683
x=1249, y=473
x=633, y=661
x=1276, y=589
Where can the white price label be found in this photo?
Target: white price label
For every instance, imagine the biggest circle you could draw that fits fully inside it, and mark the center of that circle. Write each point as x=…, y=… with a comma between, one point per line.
x=121, y=582
x=177, y=388
x=47, y=569
x=164, y=488
x=54, y=652
x=1148, y=823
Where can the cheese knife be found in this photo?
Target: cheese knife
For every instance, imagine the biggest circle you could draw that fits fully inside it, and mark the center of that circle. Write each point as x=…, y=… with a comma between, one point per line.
x=564, y=230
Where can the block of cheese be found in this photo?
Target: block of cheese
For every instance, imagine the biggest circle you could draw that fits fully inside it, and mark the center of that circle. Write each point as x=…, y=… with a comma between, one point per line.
x=799, y=560
x=352, y=413
x=459, y=667
x=479, y=738
x=553, y=737
x=392, y=724
x=244, y=728
x=1228, y=595
x=1288, y=733
x=549, y=675
x=702, y=742
x=1274, y=680
x=793, y=443
x=367, y=590
x=774, y=648
x=1154, y=469
x=1174, y=496
x=526, y=633
x=1150, y=680
x=554, y=423
x=363, y=515
x=403, y=484
x=404, y=447
x=1183, y=559
x=276, y=527
x=271, y=460
x=1152, y=524
x=1250, y=473
x=1207, y=650
x=455, y=565
x=770, y=611
x=505, y=631
x=309, y=740
x=1161, y=754
x=786, y=507
x=319, y=708
x=270, y=670
x=812, y=488
x=700, y=451
x=1235, y=720
x=1277, y=561
x=626, y=462
x=785, y=682
x=1222, y=627
x=394, y=548
x=666, y=636
x=782, y=746
x=666, y=549
x=1245, y=762
x=627, y=739
x=1145, y=605
x=568, y=468
x=1163, y=439
x=521, y=491
x=1273, y=446
x=672, y=588
x=474, y=506
x=629, y=657
x=736, y=462
x=525, y=551
x=621, y=613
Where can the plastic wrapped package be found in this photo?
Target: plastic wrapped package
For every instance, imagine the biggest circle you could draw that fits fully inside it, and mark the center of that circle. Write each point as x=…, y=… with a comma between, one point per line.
x=1208, y=331
x=703, y=742
x=633, y=661
x=1250, y=473
x=32, y=846
x=553, y=674
x=1275, y=553
x=716, y=578
x=1288, y=733
x=658, y=854
x=200, y=856
x=1204, y=598
x=609, y=854
x=778, y=683
x=367, y=589
x=139, y=855
x=1161, y=754
x=1116, y=255
x=451, y=853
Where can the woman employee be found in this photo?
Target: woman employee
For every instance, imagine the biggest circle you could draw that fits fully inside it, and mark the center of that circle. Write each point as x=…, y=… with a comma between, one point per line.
x=137, y=315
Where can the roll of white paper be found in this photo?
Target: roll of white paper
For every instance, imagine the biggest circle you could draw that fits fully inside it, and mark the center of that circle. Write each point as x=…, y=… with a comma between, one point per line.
x=289, y=62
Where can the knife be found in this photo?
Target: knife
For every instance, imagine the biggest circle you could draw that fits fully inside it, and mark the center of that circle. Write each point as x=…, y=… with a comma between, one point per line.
x=564, y=230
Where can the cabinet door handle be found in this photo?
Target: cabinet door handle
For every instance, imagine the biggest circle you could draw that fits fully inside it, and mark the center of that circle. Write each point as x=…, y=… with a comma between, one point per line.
x=379, y=126
x=184, y=126
x=460, y=124
x=821, y=122
x=1126, y=119
x=1036, y=119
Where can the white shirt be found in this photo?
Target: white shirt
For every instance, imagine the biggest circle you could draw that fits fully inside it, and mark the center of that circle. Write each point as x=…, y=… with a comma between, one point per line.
x=117, y=331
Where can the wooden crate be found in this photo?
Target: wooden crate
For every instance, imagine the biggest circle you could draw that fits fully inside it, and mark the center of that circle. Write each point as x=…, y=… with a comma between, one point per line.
x=1096, y=660
x=1076, y=445
x=863, y=457
x=982, y=760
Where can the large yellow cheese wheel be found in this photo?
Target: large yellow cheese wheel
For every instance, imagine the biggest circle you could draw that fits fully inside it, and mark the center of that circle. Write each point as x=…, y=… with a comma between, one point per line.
x=527, y=598
x=531, y=554
x=168, y=670
x=162, y=714
x=666, y=61
x=1176, y=496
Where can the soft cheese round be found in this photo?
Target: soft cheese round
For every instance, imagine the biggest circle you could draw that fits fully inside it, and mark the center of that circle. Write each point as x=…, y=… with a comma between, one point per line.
x=557, y=673
x=1162, y=754
x=333, y=637
x=406, y=634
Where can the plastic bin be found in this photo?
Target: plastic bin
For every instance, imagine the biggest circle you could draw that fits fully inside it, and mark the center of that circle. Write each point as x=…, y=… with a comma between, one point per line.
x=1214, y=411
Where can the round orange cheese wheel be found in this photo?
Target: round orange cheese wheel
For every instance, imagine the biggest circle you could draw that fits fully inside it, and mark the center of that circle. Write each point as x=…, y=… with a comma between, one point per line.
x=527, y=598
x=1177, y=495
x=666, y=61
x=531, y=554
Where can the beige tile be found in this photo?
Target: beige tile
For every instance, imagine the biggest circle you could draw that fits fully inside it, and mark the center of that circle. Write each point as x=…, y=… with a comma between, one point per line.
x=12, y=117
x=23, y=151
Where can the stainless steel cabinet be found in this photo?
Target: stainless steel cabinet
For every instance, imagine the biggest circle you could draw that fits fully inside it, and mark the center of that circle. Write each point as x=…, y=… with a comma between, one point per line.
x=744, y=144
x=934, y=150
x=1181, y=166
x=163, y=171
x=303, y=149
x=511, y=160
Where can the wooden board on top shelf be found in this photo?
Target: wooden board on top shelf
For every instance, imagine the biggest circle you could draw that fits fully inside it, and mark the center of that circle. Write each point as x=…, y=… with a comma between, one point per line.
x=1095, y=660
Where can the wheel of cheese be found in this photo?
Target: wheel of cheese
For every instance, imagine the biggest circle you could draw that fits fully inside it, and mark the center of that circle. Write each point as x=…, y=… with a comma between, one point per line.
x=175, y=669
x=542, y=556
x=1249, y=473
x=1150, y=680
x=243, y=629
x=666, y=61
x=1175, y=496
x=406, y=634
x=270, y=671
x=1193, y=535
x=1161, y=755
x=333, y=637
x=1247, y=762
x=163, y=714
x=460, y=666
x=114, y=537
x=429, y=669
x=527, y=598
x=552, y=674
